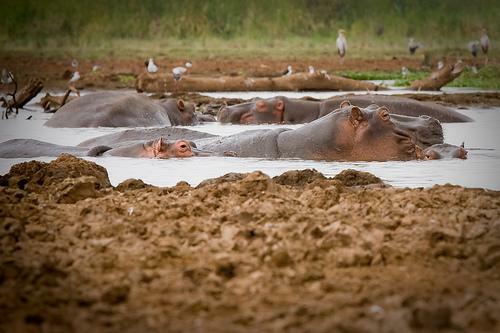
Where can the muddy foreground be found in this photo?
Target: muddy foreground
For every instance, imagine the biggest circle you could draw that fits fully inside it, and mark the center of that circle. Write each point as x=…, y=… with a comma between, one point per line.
x=244, y=252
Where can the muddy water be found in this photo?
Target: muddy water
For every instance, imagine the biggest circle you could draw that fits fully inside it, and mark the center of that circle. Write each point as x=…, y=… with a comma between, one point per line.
x=481, y=137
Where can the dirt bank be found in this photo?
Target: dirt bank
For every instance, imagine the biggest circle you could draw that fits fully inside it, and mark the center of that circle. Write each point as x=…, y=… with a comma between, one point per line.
x=244, y=252
x=117, y=72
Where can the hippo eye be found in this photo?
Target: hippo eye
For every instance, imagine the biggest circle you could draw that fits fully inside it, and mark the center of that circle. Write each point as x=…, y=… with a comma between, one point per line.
x=384, y=115
x=183, y=146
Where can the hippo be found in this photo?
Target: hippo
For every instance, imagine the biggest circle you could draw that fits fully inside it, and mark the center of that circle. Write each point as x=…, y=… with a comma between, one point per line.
x=350, y=133
x=398, y=105
x=444, y=150
x=118, y=109
x=144, y=134
x=281, y=109
x=158, y=148
x=277, y=109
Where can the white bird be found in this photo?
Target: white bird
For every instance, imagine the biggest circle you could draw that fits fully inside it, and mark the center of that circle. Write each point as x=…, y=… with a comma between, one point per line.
x=74, y=63
x=341, y=43
x=75, y=77
x=288, y=70
x=152, y=68
x=71, y=83
x=413, y=45
x=6, y=77
x=95, y=68
x=485, y=45
x=325, y=74
x=485, y=42
x=189, y=64
x=440, y=65
x=311, y=70
x=178, y=72
x=404, y=72
x=473, y=47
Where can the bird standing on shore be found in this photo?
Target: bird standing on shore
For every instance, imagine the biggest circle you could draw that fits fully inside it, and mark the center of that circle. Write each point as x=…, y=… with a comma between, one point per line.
x=413, y=46
x=341, y=44
x=179, y=71
x=440, y=65
x=6, y=78
x=72, y=82
x=485, y=45
x=404, y=72
x=287, y=71
x=152, y=68
x=311, y=70
x=473, y=47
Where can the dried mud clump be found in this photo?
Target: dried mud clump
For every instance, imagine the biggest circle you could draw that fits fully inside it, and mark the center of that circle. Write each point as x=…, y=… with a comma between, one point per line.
x=352, y=177
x=131, y=184
x=35, y=176
x=245, y=252
x=299, y=177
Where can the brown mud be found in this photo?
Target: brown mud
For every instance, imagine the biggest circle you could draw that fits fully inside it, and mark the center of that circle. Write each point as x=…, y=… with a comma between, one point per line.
x=117, y=73
x=244, y=252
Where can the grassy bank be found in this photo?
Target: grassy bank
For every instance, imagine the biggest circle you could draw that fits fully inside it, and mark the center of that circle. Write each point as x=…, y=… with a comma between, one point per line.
x=87, y=23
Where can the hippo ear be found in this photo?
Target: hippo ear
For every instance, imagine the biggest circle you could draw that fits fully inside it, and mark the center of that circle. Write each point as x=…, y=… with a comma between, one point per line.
x=356, y=116
x=280, y=105
x=345, y=103
x=180, y=104
x=158, y=146
x=463, y=144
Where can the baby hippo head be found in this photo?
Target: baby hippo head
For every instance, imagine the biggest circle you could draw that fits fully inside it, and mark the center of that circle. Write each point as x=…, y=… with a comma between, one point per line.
x=160, y=148
x=444, y=150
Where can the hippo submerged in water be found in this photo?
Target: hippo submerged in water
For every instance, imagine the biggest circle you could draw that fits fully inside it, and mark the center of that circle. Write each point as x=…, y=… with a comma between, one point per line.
x=444, y=151
x=117, y=109
x=158, y=148
x=348, y=134
x=286, y=110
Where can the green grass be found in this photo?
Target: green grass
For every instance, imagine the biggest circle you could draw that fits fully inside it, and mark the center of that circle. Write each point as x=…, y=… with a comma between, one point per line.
x=487, y=78
x=412, y=76
x=369, y=75
x=60, y=23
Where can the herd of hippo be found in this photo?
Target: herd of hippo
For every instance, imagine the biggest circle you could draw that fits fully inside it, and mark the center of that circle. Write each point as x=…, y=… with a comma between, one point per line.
x=362, y=128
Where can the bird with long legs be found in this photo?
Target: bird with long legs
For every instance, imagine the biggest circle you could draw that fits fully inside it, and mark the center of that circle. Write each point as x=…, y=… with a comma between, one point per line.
x=485, y=44
x=341, y=45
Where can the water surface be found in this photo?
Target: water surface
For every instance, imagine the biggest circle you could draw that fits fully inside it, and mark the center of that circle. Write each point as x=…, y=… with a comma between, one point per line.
x=481, y=137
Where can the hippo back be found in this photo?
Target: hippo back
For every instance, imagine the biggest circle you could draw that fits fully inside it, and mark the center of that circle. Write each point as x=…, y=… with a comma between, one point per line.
x=398, y=105
x=110, y=109
x=253, y=143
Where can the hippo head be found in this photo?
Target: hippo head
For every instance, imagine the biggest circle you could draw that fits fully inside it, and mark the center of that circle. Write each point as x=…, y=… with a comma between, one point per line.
x=354, y=134
x=265, y=111
x=375, y=135
x=187, y=112
x=440, y=151
x=160, y=148
x=180, y=112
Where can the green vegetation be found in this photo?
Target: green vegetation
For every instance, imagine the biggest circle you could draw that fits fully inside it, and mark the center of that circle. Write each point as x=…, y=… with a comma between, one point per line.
x=369, y=75
x=412, y=76
x=486, y=77
x=90, y=23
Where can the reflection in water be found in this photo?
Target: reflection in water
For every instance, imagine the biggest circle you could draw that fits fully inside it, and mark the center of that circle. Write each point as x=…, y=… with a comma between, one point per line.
x=482, y=169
